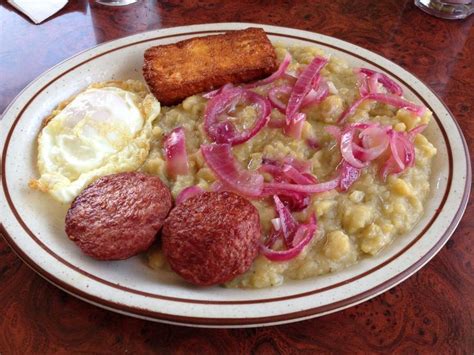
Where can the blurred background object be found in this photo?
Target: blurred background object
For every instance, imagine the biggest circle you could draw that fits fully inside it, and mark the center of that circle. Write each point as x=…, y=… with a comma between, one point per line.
x=115, y=2
x=38, y=11
x=449, y=9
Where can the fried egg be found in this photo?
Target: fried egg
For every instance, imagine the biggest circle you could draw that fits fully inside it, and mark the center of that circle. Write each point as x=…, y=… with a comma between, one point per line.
x=103, y=130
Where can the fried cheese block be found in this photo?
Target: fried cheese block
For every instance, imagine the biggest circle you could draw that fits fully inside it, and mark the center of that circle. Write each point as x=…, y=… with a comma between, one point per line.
x=176, y=71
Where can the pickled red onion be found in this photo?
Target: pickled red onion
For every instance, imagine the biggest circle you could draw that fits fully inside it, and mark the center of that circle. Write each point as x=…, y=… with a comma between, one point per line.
x=290, y=171
x=224, y=131
x=374, y=142
x=362, y=83
x=288, y=223
x=299, y=178
x=403, y=151
x=302, y=166
x=373, y=82
x=275, y=100
x=394, y=147
x=316, y=95
x=397, y=102
x=351, y=109
x=272, y=169
x=221, y=161
x=416, y=130
x=295, y=201
x=302, y=236
x=386, y=99
x=295, y=127
x=276, y=75
x=390, y=167
x=282, y=187
x=188, y=192
x=347, y=152
x=213, y=93
x=287, y=173
x=175, y=153
x=303, y=86
x=349, y=175
x=403, y=154
x=383, y=79
x=359, y=149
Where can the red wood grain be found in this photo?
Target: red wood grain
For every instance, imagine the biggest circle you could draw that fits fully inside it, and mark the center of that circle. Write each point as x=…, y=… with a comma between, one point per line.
x=431, y=312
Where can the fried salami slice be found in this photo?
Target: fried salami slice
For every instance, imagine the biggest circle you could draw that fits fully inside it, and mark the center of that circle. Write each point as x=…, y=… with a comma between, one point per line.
x=212, y=237
x=118, y=216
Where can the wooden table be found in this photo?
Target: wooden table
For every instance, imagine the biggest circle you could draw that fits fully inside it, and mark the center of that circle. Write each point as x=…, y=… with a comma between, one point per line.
x=432, y=311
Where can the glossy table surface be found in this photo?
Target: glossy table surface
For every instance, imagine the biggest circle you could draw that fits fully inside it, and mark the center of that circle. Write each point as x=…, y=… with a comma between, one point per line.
x=431, y=312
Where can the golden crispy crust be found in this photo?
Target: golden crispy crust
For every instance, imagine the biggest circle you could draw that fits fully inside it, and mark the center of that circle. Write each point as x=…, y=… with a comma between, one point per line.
x=176, y=71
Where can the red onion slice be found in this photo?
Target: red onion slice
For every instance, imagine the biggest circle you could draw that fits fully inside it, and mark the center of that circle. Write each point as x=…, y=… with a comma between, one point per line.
x=362, y=83
x=373, y=82
x=275, y=100
x=397, y=150
x=295, y=201
x=216, y=92
x=293, y=174
x=175, y=153
x=290, y=170
x=272, y=169
x=187, y=193
x=347, y=147
x=276, y=75
x=409, y=155
x=388, y=83
x=316, y=95
x=288, y=174
x=221, y=161
x=282, y=187
x=295, y=127
x=390, y=167
x=351, y=109
x=303, y=86
x=358, y=150
x=397, y=102
x=225, y=131
x=417, y=130
x=403, y=154
x=272, y=238
x=374, y=141
x=303, y=235
x=288, y=223
x=386, y=99
x=349, y=175
x=300, y=165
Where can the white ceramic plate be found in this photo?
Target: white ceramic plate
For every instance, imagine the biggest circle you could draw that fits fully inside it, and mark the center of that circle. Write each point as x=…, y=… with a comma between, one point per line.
x=33, y=224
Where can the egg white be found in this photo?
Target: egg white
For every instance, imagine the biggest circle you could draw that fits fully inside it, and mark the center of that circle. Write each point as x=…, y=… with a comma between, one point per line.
x=103, y=130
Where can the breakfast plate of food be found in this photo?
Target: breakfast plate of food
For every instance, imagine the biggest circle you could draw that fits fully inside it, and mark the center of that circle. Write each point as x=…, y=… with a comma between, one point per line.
x=229, y=175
